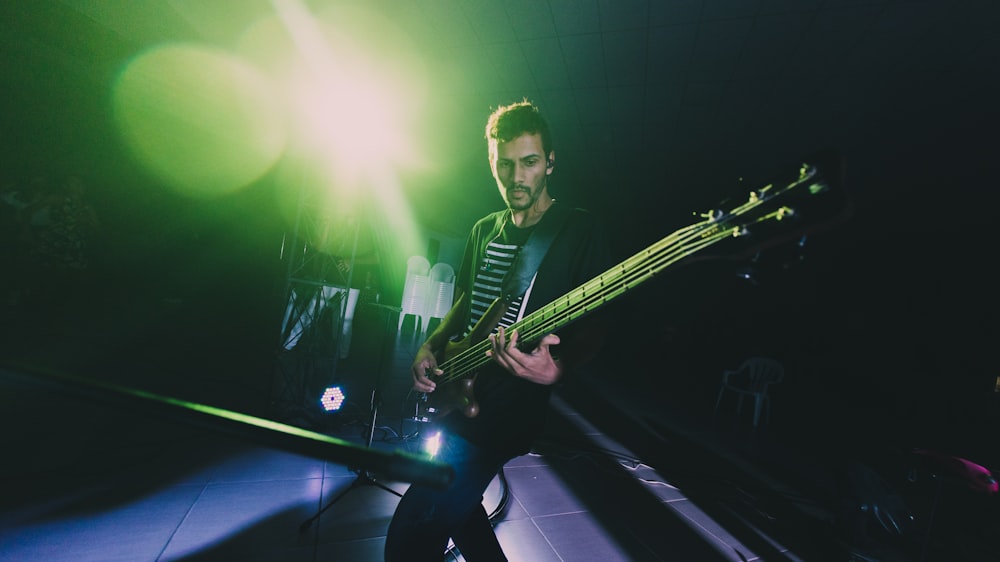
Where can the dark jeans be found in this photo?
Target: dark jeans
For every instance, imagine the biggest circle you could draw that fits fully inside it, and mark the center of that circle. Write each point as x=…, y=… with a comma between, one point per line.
x=426, y=517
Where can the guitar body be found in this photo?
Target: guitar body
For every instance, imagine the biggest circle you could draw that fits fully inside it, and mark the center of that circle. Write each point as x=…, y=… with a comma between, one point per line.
x=456, y=393
x=455, y=384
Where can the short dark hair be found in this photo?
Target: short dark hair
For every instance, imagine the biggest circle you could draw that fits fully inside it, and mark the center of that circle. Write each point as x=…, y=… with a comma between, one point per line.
x=508, y=122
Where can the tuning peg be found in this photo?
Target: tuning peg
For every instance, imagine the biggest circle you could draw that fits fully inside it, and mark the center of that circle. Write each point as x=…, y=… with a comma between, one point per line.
x=784, y=212
x=712, y=215
x=818, y=187
x=760, y=193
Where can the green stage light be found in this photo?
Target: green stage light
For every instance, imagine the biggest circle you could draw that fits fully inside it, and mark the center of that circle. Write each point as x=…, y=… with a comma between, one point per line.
x=354, y=87
x=320, y=100
x=204, y=121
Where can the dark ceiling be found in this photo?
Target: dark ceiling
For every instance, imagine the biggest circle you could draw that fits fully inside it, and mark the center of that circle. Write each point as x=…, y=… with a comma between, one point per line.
x=653, y=103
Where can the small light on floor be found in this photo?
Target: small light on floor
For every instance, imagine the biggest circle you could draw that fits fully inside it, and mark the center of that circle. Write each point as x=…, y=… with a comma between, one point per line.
x=432, y=443
x=332, y=399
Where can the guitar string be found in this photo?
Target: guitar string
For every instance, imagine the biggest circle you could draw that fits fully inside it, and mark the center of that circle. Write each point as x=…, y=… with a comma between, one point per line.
x=635, y=271
x=600, y=289
x=620, y=287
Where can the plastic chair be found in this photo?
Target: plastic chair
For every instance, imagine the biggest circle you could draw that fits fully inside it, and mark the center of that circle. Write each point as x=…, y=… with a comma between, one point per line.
x=752, y=378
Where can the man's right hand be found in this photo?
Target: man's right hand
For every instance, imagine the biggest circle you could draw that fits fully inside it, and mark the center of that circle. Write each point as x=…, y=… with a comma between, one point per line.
x=425, y=362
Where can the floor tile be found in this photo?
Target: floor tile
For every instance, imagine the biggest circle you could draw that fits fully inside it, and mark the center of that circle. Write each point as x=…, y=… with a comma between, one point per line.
x=136, y=529
x=246, y=516
x=522, y=540
x=493, y=497
x=255, y=464
x=360, y=550
x=541, y=492
x=152, y=491
x=361, y=510
x=579, y=537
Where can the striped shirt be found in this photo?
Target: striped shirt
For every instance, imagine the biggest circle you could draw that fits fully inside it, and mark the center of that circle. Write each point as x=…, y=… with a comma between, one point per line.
x=486, y=288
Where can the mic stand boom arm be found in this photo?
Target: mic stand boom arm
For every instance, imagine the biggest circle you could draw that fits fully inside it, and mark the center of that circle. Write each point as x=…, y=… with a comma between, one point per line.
x=397, y=465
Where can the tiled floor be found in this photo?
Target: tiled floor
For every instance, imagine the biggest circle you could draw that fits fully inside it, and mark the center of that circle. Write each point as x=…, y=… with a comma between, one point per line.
x=141, y=488
x=82, y=480
x=93, y=483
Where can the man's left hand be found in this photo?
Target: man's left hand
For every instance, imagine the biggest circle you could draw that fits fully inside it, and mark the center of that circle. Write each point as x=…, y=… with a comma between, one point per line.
x=538, y=366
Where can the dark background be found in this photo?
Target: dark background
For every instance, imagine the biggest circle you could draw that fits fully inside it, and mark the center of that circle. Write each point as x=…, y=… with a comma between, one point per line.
x=886, y=318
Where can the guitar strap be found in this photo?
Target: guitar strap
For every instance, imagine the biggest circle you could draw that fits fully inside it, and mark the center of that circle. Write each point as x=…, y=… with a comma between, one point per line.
x=516, y=283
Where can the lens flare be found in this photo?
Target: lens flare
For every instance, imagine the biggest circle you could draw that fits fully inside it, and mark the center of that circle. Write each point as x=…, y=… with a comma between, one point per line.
x=204, y=121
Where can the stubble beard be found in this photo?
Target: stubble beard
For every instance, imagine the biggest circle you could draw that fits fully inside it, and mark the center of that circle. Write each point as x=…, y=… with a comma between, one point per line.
x=529, y=201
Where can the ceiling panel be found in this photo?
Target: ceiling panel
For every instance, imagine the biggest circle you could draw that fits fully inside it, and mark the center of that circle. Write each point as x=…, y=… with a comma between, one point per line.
x=704, y=93
x=530, y=19
x=714, y=10
x=584, y=56
x=674, y=12
x=771, y=44
x=890, y=39
x=662, y=103
x=575, y=17
x=718, y=47
x=593, y=106
x=836, y=4
x=450, y=24
x=137, y=24
x=489, y=21
x=510, y=66
x=828, y=41
x=564, y=117
x=545, y=60
x=474, y=71
x=769, y=7
x=598, y=142
x=627, y=50
x=670, y=52
x=619, y=15
x=627, y=104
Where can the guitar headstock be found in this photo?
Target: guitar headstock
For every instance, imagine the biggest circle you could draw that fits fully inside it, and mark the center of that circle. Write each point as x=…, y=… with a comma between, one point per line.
x=808, y=200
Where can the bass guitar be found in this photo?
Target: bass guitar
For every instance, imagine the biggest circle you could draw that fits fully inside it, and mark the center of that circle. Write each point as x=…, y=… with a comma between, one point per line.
x=461, y=360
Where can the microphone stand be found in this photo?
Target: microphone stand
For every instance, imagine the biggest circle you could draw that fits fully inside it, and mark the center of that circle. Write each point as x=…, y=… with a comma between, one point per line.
x=365, y=477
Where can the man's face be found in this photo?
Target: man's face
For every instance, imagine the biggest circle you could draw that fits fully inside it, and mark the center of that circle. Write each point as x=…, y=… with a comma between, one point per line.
x=520, y=169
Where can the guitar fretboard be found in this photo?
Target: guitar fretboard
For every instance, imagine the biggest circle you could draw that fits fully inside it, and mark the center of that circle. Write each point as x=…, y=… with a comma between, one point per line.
x=632, y=272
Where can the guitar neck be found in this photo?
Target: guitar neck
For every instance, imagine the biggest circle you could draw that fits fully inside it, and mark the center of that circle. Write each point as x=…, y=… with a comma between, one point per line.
x=633, y=272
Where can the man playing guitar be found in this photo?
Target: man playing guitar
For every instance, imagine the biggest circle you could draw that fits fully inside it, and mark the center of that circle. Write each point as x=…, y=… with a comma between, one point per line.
x=506, y=400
